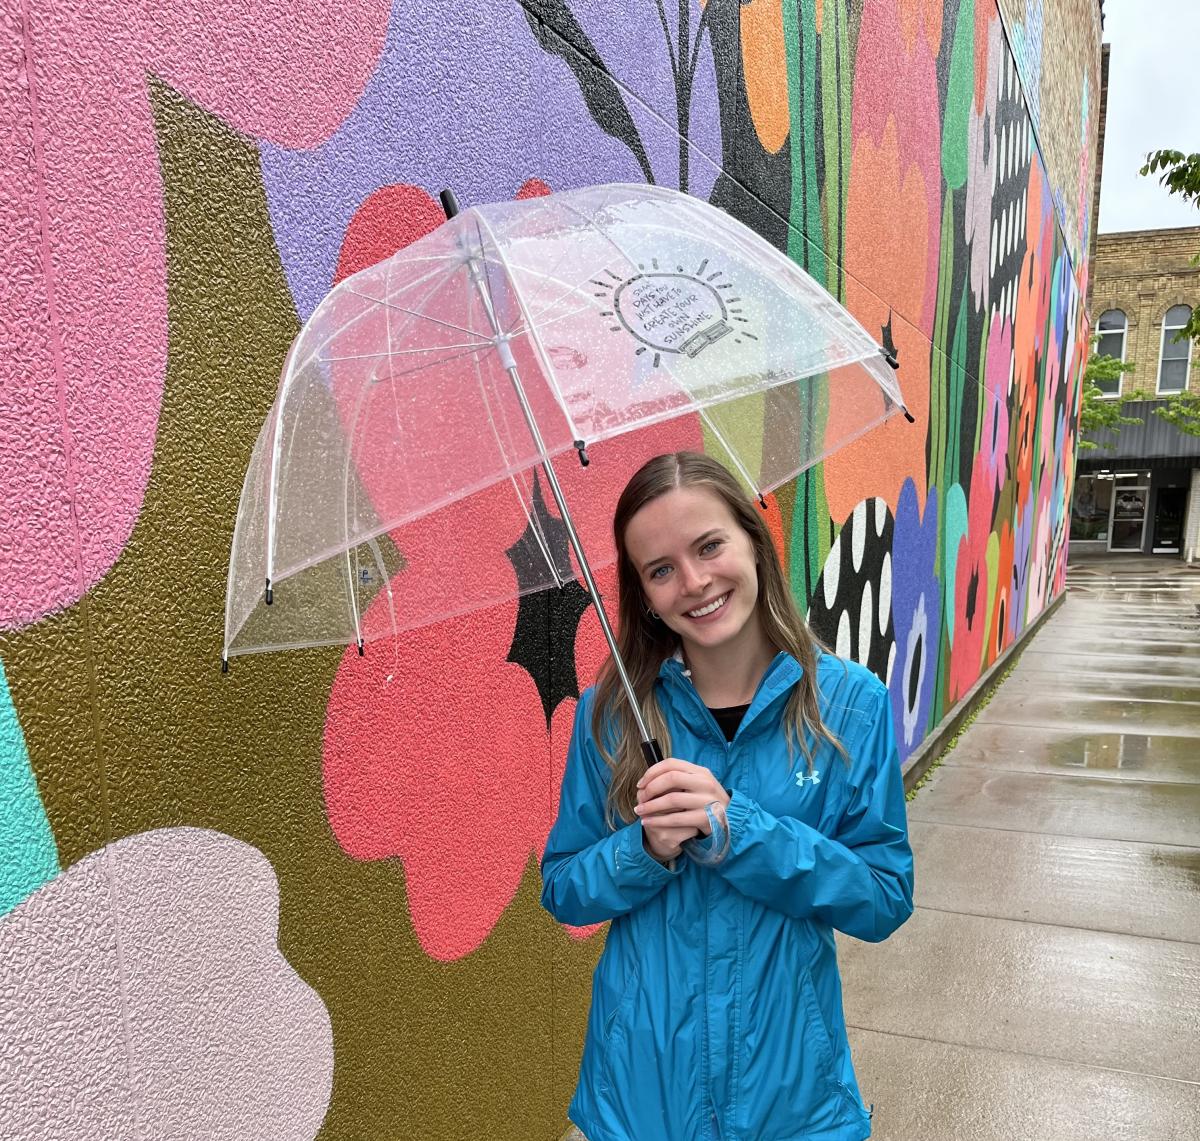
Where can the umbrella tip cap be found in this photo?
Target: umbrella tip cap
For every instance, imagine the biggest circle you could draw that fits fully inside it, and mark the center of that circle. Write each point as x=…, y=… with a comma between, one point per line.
x=449, y=203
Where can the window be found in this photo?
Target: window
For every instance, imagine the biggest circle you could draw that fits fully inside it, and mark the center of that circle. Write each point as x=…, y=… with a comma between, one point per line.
x=1173, y=362
x=1111, y=344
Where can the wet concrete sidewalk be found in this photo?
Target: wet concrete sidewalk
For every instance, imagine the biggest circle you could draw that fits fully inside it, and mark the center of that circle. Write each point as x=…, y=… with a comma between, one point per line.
x=1047, y=987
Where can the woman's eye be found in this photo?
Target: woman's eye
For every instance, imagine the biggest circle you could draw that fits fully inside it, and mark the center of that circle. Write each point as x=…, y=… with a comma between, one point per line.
x=710, y=546
x=658, y=572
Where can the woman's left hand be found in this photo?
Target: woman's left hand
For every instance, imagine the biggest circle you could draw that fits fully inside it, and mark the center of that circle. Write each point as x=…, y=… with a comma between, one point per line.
x=682, y=791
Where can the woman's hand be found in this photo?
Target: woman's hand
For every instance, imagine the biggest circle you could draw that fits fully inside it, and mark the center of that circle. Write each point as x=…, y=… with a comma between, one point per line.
x=672, y=797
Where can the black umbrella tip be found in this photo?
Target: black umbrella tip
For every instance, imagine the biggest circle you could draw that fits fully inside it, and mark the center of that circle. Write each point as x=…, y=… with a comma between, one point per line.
x=224, y=665
x=908, y=415
x=449, y=203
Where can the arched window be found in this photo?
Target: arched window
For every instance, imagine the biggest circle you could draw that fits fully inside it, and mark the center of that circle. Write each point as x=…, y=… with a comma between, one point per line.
x=1173, y=361
x=1111, y=327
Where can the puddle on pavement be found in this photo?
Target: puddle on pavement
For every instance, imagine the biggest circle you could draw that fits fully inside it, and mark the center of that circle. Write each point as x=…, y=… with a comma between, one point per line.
x=1179, y=860
x=1118, y=752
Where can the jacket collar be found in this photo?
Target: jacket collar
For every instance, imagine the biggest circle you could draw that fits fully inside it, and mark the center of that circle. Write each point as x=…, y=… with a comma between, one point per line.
x=780, y=676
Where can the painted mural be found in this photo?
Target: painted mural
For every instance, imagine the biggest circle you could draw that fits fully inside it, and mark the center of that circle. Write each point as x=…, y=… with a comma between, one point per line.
x=1053, y=49
x=314, y=881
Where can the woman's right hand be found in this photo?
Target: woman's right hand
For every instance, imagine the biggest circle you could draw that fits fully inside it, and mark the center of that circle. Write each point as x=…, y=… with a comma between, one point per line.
x=662, y=840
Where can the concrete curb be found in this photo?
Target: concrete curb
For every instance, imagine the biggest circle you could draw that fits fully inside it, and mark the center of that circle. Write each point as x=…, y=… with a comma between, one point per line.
x=931, y=748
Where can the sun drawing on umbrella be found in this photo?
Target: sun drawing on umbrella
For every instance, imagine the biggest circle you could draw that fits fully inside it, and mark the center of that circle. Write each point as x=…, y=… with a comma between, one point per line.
x=673, y=312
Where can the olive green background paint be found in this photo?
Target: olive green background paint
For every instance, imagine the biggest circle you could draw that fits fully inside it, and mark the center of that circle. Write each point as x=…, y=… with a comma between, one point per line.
x=131, y=726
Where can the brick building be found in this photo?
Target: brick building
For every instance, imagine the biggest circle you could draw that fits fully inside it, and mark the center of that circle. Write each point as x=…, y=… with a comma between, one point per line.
x=1140, y=490
x=1142, y=289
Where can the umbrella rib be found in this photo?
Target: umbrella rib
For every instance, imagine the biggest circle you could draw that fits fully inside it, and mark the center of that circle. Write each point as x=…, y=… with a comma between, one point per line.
x=567, y=250
x=315, y=353
x=535, y=339
x=422, y=316
x=536, y=318
x=537, y=533
x=486, y=283
x=473, y=346
x=442, y=360
x=522, y=328
x=605, y=236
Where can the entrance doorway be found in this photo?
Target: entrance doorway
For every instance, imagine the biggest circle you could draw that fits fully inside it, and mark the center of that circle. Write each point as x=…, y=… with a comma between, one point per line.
x=1168, y=520
x=1127, y=526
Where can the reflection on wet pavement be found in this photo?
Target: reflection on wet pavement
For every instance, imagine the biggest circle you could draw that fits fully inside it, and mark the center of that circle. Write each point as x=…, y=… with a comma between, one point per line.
x=1053, y=961
x=1040, y=749
x=1108, y=715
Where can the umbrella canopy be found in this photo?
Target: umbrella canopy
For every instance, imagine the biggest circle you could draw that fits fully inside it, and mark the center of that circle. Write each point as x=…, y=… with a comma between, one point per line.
x=400, y=416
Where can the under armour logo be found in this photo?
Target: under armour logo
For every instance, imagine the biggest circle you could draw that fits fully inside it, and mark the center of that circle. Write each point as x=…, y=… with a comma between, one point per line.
x=808, y=778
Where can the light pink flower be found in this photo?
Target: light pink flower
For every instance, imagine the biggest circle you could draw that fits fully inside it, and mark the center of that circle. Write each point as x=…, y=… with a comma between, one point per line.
x=84, y=341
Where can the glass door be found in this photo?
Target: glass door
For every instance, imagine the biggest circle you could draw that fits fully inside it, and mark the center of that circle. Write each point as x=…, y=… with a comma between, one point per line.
x=1127, y=526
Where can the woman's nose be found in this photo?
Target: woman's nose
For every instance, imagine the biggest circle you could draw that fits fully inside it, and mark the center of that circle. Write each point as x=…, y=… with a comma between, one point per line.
x=695, y=578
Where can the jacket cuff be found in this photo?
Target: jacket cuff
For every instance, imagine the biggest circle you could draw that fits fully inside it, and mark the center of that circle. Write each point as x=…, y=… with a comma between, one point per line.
x=633, y=857
x=737, y=811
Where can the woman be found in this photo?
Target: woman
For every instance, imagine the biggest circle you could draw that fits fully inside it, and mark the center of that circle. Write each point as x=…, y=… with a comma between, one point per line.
x=777, y=817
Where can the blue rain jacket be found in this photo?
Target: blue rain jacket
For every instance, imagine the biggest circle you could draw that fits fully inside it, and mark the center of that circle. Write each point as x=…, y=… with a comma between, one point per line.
x=716, y=1005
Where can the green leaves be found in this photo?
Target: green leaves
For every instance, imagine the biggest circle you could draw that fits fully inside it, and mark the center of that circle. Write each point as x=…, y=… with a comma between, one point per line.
x=1183, y=411
x=1100, y=412
x=1180, y=173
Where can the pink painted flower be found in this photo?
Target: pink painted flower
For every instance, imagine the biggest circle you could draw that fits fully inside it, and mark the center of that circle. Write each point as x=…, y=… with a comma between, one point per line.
x=85, y=271
x=437, y=748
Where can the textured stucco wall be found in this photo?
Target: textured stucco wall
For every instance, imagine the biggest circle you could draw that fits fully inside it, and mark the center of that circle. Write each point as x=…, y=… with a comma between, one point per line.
x=302, y=899
x=1056, y=47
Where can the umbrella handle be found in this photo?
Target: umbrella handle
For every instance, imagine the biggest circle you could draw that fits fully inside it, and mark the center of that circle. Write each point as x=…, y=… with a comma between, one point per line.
x=652, y=751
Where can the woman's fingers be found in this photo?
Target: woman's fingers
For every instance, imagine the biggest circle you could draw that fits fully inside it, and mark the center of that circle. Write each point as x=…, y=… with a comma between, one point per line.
x=675, y=775
x=671, y=802
x=670, y=765
x=690, y=821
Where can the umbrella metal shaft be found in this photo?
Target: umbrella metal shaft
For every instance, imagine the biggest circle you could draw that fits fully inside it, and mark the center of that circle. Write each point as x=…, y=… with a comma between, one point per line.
x=650, y=746
x=577, y=546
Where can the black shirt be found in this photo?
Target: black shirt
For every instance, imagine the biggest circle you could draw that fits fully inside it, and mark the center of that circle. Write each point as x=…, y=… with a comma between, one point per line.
x=729, y=718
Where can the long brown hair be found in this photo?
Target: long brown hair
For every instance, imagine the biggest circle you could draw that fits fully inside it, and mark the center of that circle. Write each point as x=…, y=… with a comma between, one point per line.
x=645, y=642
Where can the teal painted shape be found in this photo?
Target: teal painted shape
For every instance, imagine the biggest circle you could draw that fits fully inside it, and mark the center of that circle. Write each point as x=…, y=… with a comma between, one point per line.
x=28, y=854
x=959, y=98
x=956, y=529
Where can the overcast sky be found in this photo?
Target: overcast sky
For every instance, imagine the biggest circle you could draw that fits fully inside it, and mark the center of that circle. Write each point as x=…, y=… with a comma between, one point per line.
x=1153, y=99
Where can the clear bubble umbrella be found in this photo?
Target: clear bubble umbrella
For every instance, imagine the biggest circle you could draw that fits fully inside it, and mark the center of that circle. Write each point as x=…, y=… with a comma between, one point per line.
x=442, y=384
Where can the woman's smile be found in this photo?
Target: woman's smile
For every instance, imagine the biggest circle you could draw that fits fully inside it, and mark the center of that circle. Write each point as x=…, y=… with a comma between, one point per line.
x=709, y=610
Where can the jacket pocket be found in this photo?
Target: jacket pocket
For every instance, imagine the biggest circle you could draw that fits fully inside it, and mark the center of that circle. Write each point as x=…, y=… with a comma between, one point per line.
x=828, y=1052
x=612, y=1030
x=619, y=1012
x=788, y=1086
x=818, y=1030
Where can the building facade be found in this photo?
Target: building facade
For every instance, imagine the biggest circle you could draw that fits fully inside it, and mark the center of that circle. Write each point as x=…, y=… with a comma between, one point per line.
x=1139, y=490
x=302, y=898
